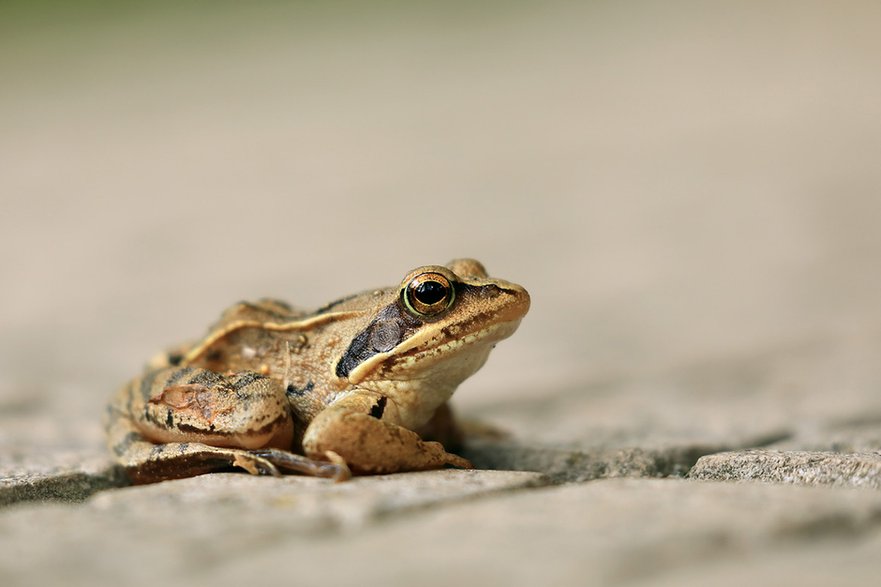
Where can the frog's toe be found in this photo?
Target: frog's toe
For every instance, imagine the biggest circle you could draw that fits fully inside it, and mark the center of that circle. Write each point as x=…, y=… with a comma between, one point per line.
x=460, y=462
x=335, y=469
x=338, y=465
x=255, y=465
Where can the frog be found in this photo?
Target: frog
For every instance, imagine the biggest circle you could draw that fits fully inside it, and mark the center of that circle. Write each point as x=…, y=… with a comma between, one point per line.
x=359, y=386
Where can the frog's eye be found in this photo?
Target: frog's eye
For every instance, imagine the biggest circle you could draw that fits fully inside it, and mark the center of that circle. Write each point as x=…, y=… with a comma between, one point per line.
x=428, y=294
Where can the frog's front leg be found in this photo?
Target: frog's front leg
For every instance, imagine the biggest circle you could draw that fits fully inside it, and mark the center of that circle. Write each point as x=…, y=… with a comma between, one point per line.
x=353, y=427
x=179, y=422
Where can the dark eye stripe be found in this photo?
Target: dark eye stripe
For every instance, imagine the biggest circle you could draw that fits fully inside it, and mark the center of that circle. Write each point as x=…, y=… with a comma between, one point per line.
x=390, y=327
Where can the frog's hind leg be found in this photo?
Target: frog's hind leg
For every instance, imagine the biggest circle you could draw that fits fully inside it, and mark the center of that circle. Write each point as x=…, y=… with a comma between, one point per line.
x=179, y=422
x=147, y=462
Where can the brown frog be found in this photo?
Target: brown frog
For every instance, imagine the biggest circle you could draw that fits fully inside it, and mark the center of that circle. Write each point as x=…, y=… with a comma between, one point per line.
x=346, y=389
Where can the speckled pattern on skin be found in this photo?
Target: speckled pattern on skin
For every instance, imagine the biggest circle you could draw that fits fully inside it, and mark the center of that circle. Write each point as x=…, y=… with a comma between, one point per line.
x=348, y=388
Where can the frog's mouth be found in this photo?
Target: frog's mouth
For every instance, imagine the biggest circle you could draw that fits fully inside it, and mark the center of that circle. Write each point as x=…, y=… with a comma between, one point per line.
x=454, y=341
x=463, y=354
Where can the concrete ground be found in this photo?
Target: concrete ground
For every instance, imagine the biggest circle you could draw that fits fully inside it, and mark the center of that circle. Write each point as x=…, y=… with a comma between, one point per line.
x=690, y=192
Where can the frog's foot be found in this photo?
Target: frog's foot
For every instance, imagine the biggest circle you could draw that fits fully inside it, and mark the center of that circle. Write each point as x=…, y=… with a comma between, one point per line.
x=334, y=468
x=145, y=462
x=457, y=461
x=370, y=445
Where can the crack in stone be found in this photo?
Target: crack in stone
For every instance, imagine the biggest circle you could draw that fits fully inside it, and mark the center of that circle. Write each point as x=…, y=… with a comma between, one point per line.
x=575, y=465
x=567, y=465
x=558, y=465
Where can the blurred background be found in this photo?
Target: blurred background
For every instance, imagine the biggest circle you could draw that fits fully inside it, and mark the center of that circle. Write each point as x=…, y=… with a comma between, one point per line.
x=674, y=182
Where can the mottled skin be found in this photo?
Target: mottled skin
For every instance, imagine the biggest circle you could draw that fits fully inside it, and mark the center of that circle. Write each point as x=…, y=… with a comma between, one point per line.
x=340, y=390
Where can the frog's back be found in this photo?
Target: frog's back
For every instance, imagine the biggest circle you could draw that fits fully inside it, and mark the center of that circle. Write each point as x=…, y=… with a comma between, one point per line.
x=263, y=310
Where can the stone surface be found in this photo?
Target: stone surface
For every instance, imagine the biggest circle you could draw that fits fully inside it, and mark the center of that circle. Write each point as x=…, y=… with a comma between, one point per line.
x=45, y=456
x=813, y=563
x=796, y=467
x=182, y=528
x=57, y=475
x=605, y=532
x=688, y=190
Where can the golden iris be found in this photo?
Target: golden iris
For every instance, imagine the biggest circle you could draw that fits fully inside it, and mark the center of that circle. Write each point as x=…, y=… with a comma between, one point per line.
x=428, y=294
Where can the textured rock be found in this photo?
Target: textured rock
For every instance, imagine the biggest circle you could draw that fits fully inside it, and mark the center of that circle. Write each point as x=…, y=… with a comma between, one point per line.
x=794, y=467
x=186, y=527
x=52, y=457
x=615, y=531
x=307, y=502
x=21, y=483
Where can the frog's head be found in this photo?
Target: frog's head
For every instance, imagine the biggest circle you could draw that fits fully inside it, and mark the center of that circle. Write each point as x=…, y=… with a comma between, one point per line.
x=437, y=328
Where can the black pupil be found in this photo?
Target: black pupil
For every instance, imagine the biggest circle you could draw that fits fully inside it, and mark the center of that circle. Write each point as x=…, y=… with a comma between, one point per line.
x=430, y=292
